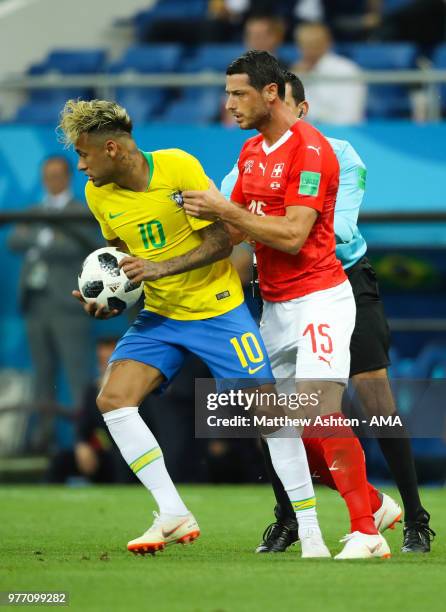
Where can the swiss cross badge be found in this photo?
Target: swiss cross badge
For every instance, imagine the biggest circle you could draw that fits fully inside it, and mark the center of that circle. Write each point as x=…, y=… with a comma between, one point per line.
x=277, y=170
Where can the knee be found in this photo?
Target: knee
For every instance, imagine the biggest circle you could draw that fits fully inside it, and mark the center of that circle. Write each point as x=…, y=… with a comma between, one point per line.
x=108, y=400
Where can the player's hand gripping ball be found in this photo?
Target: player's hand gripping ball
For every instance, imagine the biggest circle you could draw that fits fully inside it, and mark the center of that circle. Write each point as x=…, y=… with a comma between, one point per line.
x=102, y=281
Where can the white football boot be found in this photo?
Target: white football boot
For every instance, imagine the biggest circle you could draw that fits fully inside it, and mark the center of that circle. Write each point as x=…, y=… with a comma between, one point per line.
x=312, y=544
x=364, y=546
x=165, y=530
x=388, y=514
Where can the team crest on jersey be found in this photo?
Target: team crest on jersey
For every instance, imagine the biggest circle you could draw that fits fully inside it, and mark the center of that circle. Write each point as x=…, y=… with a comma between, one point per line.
x=277, y=170
x=177, y=197
x=275, y=185
x=248, y=166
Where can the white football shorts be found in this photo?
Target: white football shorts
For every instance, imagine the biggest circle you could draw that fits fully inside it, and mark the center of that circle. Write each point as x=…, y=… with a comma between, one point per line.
x=309, y=337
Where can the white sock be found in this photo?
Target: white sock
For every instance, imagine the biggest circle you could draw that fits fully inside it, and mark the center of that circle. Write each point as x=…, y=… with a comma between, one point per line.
x=291, y=465
x=140, y=449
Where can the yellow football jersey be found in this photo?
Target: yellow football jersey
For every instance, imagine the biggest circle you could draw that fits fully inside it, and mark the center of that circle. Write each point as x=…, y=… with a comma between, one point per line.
x=154, y=226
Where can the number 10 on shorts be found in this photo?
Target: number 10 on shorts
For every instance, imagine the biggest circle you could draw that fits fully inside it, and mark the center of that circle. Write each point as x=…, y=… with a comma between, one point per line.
x=248, y=349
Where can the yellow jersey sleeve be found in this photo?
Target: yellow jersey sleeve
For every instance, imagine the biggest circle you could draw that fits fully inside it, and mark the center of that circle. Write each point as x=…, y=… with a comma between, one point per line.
x=192, y=177
x=106, y=230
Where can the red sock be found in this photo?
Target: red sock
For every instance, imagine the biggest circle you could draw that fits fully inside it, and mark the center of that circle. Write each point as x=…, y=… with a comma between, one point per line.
x=375, y=499
x=345, y=458
x=316, y=461
x=322, y=475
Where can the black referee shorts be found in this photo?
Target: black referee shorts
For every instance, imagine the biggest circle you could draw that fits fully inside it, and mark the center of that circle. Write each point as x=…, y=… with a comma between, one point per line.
x=370, y=342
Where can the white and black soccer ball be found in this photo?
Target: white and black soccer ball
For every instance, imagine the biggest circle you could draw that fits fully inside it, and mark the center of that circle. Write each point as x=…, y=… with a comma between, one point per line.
x=102, y=280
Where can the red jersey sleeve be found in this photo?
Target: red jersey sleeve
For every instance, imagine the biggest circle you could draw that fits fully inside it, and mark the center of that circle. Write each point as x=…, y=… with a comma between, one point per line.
x=313, y=176
x=237, y=191
x=237, y=195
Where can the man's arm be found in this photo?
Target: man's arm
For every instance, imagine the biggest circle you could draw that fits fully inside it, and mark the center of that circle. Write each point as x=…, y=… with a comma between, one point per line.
x=348, y=202
x=216, y=244
x=287, y=234
x=237, y=236
x=352, y=182
x=118, y=243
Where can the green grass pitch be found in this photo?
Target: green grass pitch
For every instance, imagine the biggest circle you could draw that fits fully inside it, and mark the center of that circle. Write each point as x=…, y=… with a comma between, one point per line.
x=75, y=540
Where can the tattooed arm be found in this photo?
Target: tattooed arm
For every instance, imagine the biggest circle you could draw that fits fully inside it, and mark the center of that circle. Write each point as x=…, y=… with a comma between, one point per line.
x=120, y=244
x=216, y=244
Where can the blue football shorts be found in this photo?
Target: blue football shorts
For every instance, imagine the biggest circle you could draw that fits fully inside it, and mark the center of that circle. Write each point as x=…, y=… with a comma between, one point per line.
x=229, y=344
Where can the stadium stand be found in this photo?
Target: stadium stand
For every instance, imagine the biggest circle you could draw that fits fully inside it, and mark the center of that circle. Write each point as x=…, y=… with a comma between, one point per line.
x=439, y=62
x=170, y=9
x=393, y=5
x=143, y=104
x=167, y=10
x=289, y=54
x=39, y=113
x=66, y=61
x=149, y=58
x=384, y=101
x=213, y=57
x=200, y=105
x=44, y=105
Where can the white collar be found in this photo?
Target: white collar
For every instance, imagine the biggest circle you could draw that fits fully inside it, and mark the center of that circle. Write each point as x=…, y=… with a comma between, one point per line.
x=282, y=140
x=59, y=201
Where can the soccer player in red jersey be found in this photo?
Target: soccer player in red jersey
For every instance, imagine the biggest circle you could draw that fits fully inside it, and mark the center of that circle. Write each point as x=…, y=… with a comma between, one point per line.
x=284, y=200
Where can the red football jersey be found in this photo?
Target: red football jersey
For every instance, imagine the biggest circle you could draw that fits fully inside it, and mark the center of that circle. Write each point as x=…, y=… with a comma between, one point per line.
x=300, y=169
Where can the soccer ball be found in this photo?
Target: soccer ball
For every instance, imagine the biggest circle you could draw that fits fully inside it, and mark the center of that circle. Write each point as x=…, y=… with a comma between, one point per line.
x=102, y=280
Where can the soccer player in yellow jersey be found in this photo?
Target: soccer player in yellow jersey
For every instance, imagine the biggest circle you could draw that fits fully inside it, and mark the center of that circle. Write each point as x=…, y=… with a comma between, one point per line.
x=193, y=297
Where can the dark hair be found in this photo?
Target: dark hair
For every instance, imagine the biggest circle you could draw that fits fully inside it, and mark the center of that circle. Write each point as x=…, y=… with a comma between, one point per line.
x=297, y=88
x=262, y=69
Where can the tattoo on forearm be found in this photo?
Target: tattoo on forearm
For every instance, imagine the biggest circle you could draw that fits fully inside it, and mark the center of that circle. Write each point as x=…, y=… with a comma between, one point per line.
x=216, y=245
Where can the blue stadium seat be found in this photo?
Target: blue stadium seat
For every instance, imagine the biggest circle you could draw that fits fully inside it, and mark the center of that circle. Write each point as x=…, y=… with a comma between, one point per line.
x=382, y=56
x=197, y=105
x=44, y=105
x=289, y=54
x=41, y=113
x=213, y=57
x=439, y=56
x=149, y=58
x=165, y=10
x=173, y=9
x=58, y=95
x=384, y=101
x=142, y=103
x=439, y=62
x=430, y=360
x=71, y=62
x=393, y=5
x=67, y=62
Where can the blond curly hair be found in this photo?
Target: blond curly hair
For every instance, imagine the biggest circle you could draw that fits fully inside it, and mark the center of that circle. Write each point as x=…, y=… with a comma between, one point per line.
x=86, y=116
